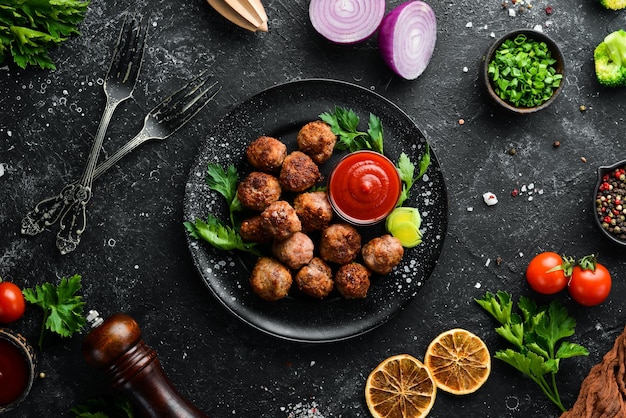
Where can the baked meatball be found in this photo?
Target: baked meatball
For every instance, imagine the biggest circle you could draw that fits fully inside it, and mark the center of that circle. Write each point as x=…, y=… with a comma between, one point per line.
x=317, y=140
x=253, y=230
x=299, y=172
x=340, y=243
x=270, y=279
x=382, y=254
x=280, y=220
x=295, y=251
x=266, y=153
x=314, y=210
x=258, y=190
x=315, y=279
x=352, y=281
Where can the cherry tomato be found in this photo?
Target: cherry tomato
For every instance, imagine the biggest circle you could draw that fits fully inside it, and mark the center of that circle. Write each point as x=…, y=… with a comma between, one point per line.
x=12, y=304
x=546, y=273
x=590, y=287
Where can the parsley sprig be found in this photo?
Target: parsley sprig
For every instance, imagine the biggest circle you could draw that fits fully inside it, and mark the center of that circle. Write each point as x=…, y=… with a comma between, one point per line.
x=214, y=231
x=28, y=28
x=345, y=122
x=62, y=307
x=101, y=407
x=535, y=335
x=406, y=169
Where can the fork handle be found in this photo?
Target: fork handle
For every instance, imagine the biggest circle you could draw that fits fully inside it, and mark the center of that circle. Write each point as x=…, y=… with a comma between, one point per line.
x=73, y=221
x=48, y=211
x=88, y=173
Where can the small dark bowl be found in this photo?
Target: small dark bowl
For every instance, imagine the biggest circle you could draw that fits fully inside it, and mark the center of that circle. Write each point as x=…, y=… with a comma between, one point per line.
x=556, y=53
x=24, y=350
x=602, y=171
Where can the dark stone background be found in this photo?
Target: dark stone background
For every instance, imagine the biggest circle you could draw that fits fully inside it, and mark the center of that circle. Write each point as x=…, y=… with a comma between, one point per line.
x=134, y=255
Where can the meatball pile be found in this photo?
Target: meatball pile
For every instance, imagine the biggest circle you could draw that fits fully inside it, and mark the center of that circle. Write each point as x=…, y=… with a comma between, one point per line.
x=309, y=248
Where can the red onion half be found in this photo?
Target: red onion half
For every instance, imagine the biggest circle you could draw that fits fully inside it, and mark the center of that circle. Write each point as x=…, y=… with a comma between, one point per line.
x=407, y=37
x=346, y=21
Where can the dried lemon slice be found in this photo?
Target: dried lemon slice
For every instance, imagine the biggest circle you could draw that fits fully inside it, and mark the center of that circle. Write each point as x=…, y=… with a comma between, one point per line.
x=459, y=361
x=400, y=387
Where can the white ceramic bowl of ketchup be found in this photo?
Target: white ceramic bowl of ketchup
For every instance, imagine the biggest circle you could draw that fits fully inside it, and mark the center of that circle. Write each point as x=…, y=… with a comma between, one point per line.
x=364, y=187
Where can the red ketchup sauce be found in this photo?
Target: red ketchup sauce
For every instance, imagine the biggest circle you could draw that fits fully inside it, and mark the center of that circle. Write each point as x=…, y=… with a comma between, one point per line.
x=364, y=187
x=13, y=372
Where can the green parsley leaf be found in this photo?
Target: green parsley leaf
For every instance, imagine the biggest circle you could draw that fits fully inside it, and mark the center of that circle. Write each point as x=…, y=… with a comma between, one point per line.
x=62, y=307
x=28, y=28
x=225, y=183
x=118, y=407
x=406, y=169
x=535, y=335
x=344, y=123
x=219, y=235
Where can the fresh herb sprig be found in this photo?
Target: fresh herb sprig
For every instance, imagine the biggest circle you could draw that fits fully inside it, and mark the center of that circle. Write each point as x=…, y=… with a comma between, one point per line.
x=534, y=335
x=406, y=169
x=100, y=407
x=523, y=72
x=213, y=231
x=28, y=28
x=344, y=123
x=62, y=307
x=225, y=183
x=220, y=236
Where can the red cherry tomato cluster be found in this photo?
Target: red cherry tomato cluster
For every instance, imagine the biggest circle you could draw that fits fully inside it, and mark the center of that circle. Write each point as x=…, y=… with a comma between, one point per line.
x=12, y=304
x=588, y=282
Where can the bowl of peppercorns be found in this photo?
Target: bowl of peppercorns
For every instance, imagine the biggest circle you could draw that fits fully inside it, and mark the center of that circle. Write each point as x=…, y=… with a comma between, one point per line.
x=609, y=204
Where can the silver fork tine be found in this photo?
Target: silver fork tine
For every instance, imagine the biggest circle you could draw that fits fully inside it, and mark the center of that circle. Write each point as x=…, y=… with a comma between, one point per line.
x=177, y=109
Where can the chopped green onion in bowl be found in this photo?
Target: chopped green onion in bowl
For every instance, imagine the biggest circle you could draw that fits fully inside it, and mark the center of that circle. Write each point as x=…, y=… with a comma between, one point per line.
x=524, y=71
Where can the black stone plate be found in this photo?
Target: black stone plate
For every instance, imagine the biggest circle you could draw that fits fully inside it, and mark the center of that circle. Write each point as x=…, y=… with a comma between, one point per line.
x=281, y=111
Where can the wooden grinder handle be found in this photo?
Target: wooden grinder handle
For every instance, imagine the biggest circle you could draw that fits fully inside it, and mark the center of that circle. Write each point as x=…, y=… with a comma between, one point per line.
x=115, y=347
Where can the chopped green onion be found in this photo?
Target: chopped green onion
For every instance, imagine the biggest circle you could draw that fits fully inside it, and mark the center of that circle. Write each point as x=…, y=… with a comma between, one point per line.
x=523, y=72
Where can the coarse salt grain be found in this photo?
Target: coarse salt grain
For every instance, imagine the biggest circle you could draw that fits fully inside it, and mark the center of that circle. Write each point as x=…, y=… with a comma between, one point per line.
x=469, y=24
x=490, y=199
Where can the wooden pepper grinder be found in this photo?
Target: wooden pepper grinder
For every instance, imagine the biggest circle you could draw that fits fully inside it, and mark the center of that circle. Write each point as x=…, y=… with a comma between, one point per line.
x=115, y=346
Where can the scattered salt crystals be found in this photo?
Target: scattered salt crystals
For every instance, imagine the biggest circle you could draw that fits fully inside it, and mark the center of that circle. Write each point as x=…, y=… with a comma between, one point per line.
x=477, y=285
x=492, y=35
x=523, y=189
x=1, y=169
x=512, y=12
x=538, y=28
x=488, y=262
x=531, y=186
x=312, y=363
x=470, y=209
x=9, y=133
x=490, y=199
x=469, y=24
x=465, y=69
x=301, y=410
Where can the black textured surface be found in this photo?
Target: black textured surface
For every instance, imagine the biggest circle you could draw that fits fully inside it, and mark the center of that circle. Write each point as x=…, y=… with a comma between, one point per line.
x=134, y=256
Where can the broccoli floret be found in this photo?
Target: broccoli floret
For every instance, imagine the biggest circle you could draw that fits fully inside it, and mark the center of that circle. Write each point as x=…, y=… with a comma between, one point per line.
x=613, y=4
x=610, y=60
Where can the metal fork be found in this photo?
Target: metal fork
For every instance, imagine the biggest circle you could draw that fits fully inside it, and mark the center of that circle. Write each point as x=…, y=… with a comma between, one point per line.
x=118, y=86
x=159, y=124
